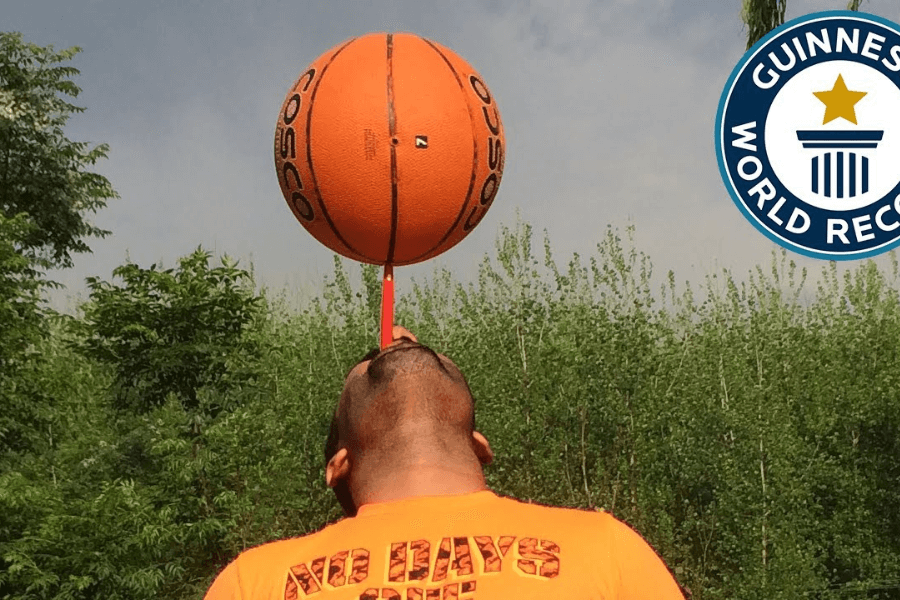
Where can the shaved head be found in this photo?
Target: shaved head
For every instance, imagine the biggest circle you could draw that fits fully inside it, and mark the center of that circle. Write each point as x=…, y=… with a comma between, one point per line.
x=404, y=389
x=399, y=403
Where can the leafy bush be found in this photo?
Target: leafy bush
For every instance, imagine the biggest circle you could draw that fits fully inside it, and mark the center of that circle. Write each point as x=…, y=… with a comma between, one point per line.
x=172, y=331
x=748, y=429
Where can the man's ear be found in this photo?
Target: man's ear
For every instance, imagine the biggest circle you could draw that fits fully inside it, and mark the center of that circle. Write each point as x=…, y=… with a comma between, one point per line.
x=399, y=331
x=338, y=468
x=482, y=448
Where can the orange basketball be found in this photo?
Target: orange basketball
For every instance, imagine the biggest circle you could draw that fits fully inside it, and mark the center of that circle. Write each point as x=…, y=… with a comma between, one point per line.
x=389, y=148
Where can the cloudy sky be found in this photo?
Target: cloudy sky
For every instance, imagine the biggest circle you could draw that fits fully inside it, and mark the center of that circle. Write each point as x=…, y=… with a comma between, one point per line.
x=609, y=109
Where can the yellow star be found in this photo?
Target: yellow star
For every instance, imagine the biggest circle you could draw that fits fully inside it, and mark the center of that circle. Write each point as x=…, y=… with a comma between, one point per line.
x=839, y=102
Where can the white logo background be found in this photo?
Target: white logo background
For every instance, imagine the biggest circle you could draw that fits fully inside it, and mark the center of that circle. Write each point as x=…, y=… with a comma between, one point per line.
x=796, y=108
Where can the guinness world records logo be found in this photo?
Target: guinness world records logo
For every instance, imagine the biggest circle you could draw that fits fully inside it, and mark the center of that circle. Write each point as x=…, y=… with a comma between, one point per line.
x=808, y=135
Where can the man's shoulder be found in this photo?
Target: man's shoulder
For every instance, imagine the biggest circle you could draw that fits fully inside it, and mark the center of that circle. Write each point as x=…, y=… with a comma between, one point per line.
x=588, y=517
x=276, y=553
x=587, y=521
x=269, y=555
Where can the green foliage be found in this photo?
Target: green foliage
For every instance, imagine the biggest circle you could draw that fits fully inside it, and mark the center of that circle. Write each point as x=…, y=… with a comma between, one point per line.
x=747, y=428
x=20, y=287
x=46, y=192
x=22, y=325
x=761, y=17
x=148, y=462
x=172, y=331
x=42, y=173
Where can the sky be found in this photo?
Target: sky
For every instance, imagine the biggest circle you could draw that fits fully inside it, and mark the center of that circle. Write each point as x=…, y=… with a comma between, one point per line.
x=608, y=108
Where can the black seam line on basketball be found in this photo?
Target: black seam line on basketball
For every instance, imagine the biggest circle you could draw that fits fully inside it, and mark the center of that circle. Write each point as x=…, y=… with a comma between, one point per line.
x=312, y=172
x=392, y=127
x=465, y=206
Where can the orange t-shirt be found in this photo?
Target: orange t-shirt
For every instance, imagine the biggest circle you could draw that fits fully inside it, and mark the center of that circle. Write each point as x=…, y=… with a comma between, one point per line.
x=473, y=546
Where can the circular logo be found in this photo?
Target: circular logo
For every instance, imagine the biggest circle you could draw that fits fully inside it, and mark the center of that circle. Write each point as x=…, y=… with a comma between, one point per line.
x=808, y=135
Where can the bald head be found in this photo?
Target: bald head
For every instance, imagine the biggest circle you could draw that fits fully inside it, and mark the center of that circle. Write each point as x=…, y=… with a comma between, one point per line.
x=404, y=426
x=407, y=396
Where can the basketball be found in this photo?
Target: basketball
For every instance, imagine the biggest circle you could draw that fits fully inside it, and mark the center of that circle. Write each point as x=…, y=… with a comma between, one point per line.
x=389, y=148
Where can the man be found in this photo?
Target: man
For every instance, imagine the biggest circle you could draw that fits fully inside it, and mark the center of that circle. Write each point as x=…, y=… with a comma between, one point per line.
x=406, y=462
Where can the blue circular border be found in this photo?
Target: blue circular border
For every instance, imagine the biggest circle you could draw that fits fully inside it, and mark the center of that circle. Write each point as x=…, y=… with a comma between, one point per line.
x=723, y=172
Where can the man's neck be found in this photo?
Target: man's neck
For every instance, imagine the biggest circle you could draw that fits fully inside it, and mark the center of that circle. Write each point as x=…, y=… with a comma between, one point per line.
x=418, y=479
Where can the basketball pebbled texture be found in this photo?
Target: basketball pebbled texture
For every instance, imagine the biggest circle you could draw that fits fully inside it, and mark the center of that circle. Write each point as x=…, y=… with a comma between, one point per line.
x=389, y=148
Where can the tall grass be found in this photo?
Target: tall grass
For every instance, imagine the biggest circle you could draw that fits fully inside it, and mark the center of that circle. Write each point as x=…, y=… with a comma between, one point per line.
x=747, y=427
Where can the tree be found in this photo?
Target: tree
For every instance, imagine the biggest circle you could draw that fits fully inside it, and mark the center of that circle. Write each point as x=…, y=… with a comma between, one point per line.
x=22, y=325
x=761, y=17
x=46, y=191
x=168, y=331
x=43, y=174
